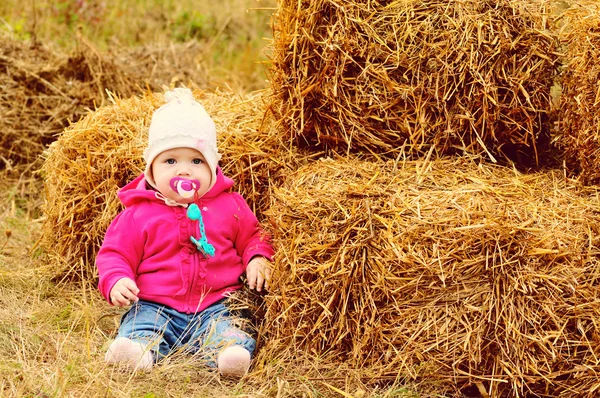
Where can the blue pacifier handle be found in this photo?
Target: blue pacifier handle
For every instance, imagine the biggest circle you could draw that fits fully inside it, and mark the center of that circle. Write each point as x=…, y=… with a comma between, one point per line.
x=203, y=245
x=194, y=213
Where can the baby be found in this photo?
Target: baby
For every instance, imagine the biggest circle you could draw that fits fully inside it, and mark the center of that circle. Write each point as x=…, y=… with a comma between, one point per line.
x=179, y=248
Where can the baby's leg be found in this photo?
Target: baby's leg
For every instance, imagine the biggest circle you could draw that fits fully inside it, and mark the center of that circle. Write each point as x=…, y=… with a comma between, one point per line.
x=141, y=337
x=132, y=353
x=218, y=336
x=234, y=361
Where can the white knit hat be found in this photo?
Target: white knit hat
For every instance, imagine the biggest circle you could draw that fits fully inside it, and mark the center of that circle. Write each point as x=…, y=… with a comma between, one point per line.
x=182, y=122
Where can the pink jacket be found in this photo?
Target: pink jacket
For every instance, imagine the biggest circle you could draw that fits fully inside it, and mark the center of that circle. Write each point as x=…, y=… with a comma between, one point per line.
x=149, y=242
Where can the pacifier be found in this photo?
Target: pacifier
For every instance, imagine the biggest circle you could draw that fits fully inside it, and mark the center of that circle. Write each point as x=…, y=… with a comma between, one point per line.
x=184, y=187
x=187, y=189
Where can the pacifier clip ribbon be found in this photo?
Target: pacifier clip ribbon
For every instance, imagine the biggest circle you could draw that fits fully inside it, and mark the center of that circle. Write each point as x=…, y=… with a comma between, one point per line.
x=187, y=189
x=195, y=214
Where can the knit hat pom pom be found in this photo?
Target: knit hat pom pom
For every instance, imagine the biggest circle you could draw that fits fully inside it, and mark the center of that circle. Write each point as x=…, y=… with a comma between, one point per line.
x=179, y=94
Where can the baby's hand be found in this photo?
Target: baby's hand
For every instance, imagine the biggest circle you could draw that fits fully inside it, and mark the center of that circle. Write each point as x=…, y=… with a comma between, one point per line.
x=124, y=292
x=258, y=273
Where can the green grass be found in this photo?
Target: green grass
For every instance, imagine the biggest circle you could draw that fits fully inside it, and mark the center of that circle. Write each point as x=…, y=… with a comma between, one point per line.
x=139, y=21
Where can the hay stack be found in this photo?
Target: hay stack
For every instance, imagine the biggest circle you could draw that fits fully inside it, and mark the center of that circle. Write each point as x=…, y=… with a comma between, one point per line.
x=41, y=90
x=477, y=276
x=383, y=77
x=96, y=156
x=579, y=113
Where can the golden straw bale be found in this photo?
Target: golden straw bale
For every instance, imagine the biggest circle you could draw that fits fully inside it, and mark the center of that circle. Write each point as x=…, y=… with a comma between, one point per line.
x=450, y=270
x=579, y=112
x=457, y=76
x=96, y=156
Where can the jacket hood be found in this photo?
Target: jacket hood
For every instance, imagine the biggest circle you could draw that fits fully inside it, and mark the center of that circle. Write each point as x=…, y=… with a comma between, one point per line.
x=137, y=190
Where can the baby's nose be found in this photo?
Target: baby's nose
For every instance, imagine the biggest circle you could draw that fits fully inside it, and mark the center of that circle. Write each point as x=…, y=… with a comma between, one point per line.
x=183, y=171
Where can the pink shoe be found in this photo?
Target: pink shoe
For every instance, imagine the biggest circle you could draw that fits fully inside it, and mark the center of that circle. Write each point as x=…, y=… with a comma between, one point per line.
x=133, y=354
x=234, y=361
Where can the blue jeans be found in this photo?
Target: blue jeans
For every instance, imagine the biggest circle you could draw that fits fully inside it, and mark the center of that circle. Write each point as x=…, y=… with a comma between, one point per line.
x=166, y=330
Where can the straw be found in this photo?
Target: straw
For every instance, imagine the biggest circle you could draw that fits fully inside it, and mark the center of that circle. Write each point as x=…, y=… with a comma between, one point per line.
x=447, y=270
x=460, y=76
x=578, y=129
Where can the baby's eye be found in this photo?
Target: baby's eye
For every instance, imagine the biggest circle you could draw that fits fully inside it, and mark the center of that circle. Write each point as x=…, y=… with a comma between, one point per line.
x=170, y=161
x=197, y=161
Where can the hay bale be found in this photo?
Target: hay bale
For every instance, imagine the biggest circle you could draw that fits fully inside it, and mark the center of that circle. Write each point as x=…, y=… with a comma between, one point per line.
x=410, y=76
x=479, y=276
x=579, y=113
x=42, y=90
x=96, y=156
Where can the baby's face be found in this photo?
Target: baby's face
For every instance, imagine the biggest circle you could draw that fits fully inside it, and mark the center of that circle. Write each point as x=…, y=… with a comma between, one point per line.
x=185, y=163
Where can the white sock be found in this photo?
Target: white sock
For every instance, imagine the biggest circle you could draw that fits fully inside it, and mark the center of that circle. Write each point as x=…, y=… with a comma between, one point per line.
x=234, y=361
x=133, y=354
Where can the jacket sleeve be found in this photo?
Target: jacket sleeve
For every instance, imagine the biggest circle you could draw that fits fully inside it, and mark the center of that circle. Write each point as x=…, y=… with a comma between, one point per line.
x=251, y=240
x=120, y=253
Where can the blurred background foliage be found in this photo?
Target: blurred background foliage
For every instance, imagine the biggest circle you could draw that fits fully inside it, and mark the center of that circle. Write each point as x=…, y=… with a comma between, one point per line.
x=234, y=33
